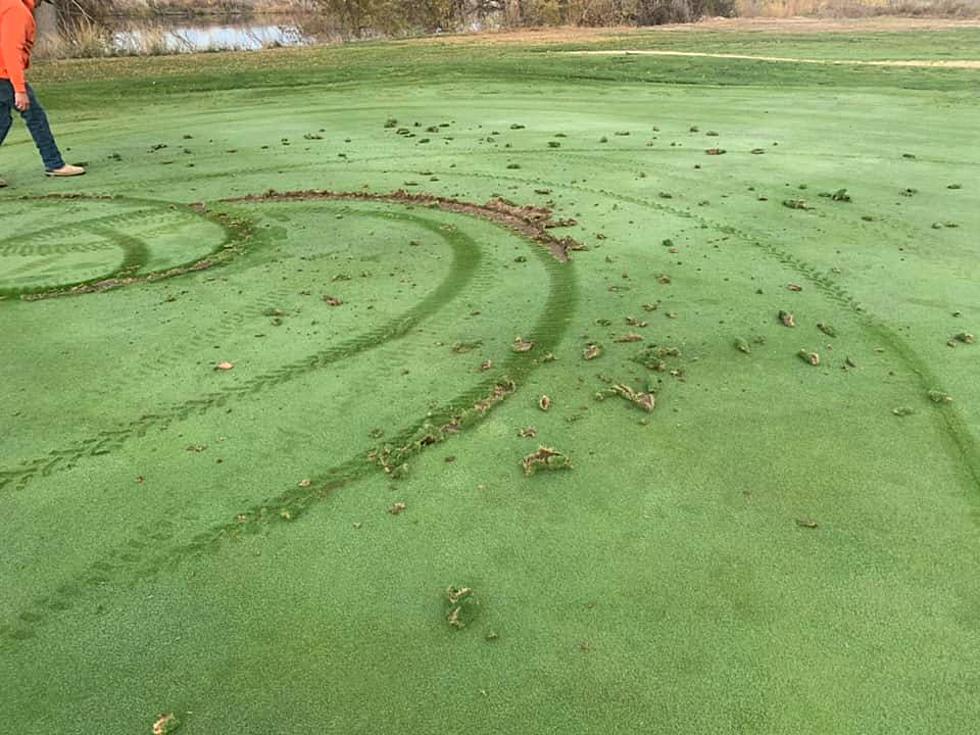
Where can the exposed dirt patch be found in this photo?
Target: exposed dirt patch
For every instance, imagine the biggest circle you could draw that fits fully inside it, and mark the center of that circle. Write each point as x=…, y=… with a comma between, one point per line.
x=531, y=222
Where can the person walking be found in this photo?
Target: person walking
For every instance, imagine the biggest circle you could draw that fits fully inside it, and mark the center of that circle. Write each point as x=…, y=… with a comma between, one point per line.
x=17, y=33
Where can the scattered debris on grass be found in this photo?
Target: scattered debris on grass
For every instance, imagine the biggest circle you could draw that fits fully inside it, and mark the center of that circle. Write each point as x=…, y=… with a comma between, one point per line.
x=528, y=432
x=460, y=348
x=796, y=204
x=653, y=357
x=523, y=345
x=486, y=365
x=499, y=393
x=463, y=604
x=634, y=322
x=645, y=400
x=545, y=458
x=592, y=351
x=332, y=300
x=787, y=319
x=663, y=279
x=938, y=396
x=965, y=337
x=397, y=509
x=807, y=523
x=716, y=151
x=827, y=329
x=794, y=287
x=757, y=151
x=630, y=337
x=903, y=411
x=544, y=403
x=742, y=346
x=305, y=483
x=166, y=724
x=840, y=195
x=811, y=358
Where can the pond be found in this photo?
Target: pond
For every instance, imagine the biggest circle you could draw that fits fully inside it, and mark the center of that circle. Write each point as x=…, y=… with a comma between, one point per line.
x=187, y=34
x=211, y=34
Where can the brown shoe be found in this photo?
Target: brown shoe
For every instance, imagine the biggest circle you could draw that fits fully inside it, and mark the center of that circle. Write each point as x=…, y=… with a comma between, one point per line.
x=66, y=170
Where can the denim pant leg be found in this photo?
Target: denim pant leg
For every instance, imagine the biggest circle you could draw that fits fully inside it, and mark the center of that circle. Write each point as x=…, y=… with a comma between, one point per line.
x=37, y=124
x=6, y=105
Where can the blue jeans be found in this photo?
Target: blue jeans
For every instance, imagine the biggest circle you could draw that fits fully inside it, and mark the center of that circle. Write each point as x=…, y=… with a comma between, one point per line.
x=37, y=124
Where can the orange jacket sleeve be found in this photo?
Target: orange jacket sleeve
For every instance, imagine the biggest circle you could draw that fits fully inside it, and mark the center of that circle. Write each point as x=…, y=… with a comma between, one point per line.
x=14, y=45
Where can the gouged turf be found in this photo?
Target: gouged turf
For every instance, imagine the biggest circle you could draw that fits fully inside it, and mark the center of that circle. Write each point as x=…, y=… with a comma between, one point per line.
x=777, y=548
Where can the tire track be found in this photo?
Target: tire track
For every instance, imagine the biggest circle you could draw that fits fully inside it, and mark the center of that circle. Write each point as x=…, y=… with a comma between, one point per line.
x=150, y=548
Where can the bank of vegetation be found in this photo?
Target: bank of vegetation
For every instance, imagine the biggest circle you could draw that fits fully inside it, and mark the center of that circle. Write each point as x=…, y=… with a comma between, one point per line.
x=87, y=28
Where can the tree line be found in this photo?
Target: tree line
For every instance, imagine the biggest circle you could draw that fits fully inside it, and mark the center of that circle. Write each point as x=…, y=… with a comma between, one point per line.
x=454, y=14
x=432, y=15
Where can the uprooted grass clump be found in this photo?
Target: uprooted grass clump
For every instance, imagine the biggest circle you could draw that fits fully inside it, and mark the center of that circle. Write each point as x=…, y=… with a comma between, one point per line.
x=393, y=458
x=462, y=606
x=645, y=399
x=546, y=458
x=840, y=195
x=166, y=724
x=811, y=358
x=654, y=357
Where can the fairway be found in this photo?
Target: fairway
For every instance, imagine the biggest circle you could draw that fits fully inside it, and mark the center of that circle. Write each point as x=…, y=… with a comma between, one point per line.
x=278, y=377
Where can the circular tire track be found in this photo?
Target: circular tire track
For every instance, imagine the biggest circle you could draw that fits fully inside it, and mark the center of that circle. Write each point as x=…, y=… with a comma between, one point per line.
x=149, y=548
x=127, y=235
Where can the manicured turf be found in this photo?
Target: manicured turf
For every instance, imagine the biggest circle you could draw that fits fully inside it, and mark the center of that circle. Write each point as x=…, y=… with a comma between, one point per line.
x=777, y=548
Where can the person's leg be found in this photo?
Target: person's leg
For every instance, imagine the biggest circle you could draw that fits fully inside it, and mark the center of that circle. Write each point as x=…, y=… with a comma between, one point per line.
x=6, y=105
x=37, y=124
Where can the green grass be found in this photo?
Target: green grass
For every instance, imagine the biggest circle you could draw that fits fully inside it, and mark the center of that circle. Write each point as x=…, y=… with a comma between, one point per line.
x=218, y=544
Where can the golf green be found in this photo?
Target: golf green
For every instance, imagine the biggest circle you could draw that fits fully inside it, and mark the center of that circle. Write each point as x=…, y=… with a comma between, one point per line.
x=276, y=373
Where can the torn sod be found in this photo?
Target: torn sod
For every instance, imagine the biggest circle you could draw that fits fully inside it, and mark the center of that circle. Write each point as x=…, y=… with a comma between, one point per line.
x=522, y=345
x=462, y=606
x=545, y=458
x=166, y=724
x=811, y=358
x=645, y=400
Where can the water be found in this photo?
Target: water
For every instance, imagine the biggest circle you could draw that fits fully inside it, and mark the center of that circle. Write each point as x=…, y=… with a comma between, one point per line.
x=178, y=34
x=190, y=35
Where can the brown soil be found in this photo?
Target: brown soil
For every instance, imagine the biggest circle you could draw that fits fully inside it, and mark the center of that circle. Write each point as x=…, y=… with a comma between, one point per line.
x=530, y=222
